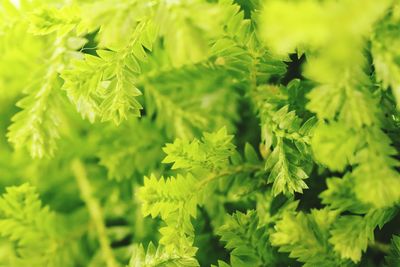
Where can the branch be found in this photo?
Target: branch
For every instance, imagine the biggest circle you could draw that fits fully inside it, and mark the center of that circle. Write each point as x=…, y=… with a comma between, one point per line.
x=236, y=170
x=382, y=247
x=95, y=211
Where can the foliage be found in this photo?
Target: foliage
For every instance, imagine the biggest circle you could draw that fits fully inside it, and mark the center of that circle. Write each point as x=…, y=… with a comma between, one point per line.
x=249, y=243
x=40, y=236
x=393, y=258
x=199, y=133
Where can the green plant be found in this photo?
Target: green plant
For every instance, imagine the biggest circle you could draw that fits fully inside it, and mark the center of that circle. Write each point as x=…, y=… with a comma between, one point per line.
x=199, y=133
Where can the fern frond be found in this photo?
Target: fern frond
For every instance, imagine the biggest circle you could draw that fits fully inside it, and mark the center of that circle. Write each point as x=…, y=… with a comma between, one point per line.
x=288, y=164
x=47, y=20
x=36, y=125
x=176, y=203
x=290, y=138
x=165, y=196
x=248, y=242
x=305, y=237
x=348, y=98
x=351, y=234
x=393, y=259
x=158, y=257
x=104, y=86
x=339, y=145
x=340, y=195
x=313, y=29
x=211, y=153
x=38, y=233
x=286, y=175
x=376, y=159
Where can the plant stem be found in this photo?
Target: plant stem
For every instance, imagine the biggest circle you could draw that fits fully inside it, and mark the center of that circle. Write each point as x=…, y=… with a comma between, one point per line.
x=382, y=247
x=235, y=170
x=95, y=211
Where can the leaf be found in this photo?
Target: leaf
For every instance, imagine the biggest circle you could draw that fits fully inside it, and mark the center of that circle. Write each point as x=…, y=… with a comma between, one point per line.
x=305, y=237
x=351, y=234
x=47, y=20
x=248, y=242
x=39, y=236
x=286, y=173
x=36, y=126
x=211, y=153
x=250, y=154
x=376, y=180
x=334, y=145
x=340, y=195
x=325, y=101
x=350, y=237
x=289, y=161
x=104, y=86
x=163, y=197
x=393, y=259
x=287, y=26
x=159, y=257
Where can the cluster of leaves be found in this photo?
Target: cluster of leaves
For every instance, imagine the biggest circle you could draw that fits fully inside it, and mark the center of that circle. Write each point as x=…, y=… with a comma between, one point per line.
x=199, y=133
